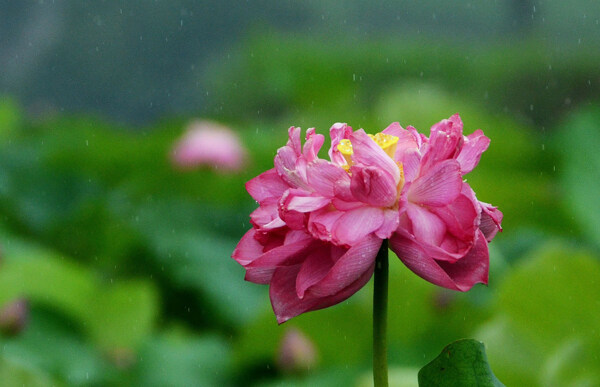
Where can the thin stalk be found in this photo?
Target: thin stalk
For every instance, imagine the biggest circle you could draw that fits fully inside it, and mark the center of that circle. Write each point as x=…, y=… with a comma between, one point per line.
x=380, y=301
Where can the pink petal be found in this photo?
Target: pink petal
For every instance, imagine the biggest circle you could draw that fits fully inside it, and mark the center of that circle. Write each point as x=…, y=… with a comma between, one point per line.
x=266, y=185
x=289, y=164
x=391, y=219
x=285, y=165
x=284, y=255
x=316, y=266
x=407, y=150
x=286, y=303
x=440, y=186
x=410, y=158
x=356, y=224
x=294, y=142
x=427, y=227
x=302, y=201
x=312, y=145
x=394, y=129
x=470, y=154
x=259, y=275
x=247, y=249
x=209, y=143
x=491, y=217
x=337, y=133
x=373, y=186
x=460, y=216
x=323, y=176
x=461, y=275
x=358, y=260
x=368, y=153
x=321, y=223
x=444, y=143
x=471, y=269
x=266, y=216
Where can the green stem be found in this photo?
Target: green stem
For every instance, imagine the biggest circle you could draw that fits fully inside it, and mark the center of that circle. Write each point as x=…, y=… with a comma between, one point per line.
x=380, y=300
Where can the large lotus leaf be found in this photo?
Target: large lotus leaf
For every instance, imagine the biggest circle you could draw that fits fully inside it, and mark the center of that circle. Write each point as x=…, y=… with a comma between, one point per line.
x=183, y=359
x=121, y=315
x=516, y=359
x=44, y=277
x=397, y=377
x=49, y=345
x=194, y=257
x=578, y=141
x=552, y=295
x=545, y=328
x=15, y=374
x=462, y=363
x=115, y=315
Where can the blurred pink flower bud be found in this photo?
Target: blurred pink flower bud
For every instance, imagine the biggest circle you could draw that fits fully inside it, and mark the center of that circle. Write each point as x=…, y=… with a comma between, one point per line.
x=207, y=143
x=14, y=316
x=296, y=352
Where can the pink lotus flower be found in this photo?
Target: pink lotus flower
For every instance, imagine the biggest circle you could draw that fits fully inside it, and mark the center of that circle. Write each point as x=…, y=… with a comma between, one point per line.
x=320, y=223
x=207, y=143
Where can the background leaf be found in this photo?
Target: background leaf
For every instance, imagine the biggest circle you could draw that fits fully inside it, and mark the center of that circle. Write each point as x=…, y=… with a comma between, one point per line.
x=462, y=363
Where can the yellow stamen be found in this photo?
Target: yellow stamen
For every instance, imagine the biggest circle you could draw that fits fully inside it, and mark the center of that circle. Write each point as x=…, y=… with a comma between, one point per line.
x=345, y=148
x=387, y=142
x=401, y=182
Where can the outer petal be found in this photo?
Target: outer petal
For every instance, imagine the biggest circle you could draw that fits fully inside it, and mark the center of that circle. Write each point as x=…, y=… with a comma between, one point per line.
x=259, y=275
x=373, y=186
x=284, y=255
x=356, y=224
x=266, y=185
x=461, y=275
x=248, y=249
x=312, y=145
x=474, y=145
x=368, y=153
x=294, y=142
x=439, y=187
x=316, y=266
x=358, y=260
x=491, y=217
x=471, y=269
x=286, y=303
x=462, y=215
x=444, y=143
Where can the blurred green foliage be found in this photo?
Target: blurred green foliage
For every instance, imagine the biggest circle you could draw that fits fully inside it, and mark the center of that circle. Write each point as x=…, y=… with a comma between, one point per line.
x=125, y=262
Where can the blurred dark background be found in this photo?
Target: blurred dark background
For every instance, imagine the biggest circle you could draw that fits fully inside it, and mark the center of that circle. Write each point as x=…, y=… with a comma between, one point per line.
x=137, y=61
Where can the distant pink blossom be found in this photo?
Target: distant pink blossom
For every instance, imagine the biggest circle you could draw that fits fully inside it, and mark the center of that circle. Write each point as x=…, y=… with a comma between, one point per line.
x=320, y=223
x=296, y=352
x=207, y=143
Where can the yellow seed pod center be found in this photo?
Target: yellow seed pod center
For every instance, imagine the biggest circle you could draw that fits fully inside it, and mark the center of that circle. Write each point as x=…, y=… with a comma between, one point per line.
x=345, y=148
x=387, y=142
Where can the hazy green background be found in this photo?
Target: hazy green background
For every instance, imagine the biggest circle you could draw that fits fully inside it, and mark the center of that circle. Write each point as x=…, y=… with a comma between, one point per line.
x=124, y=261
